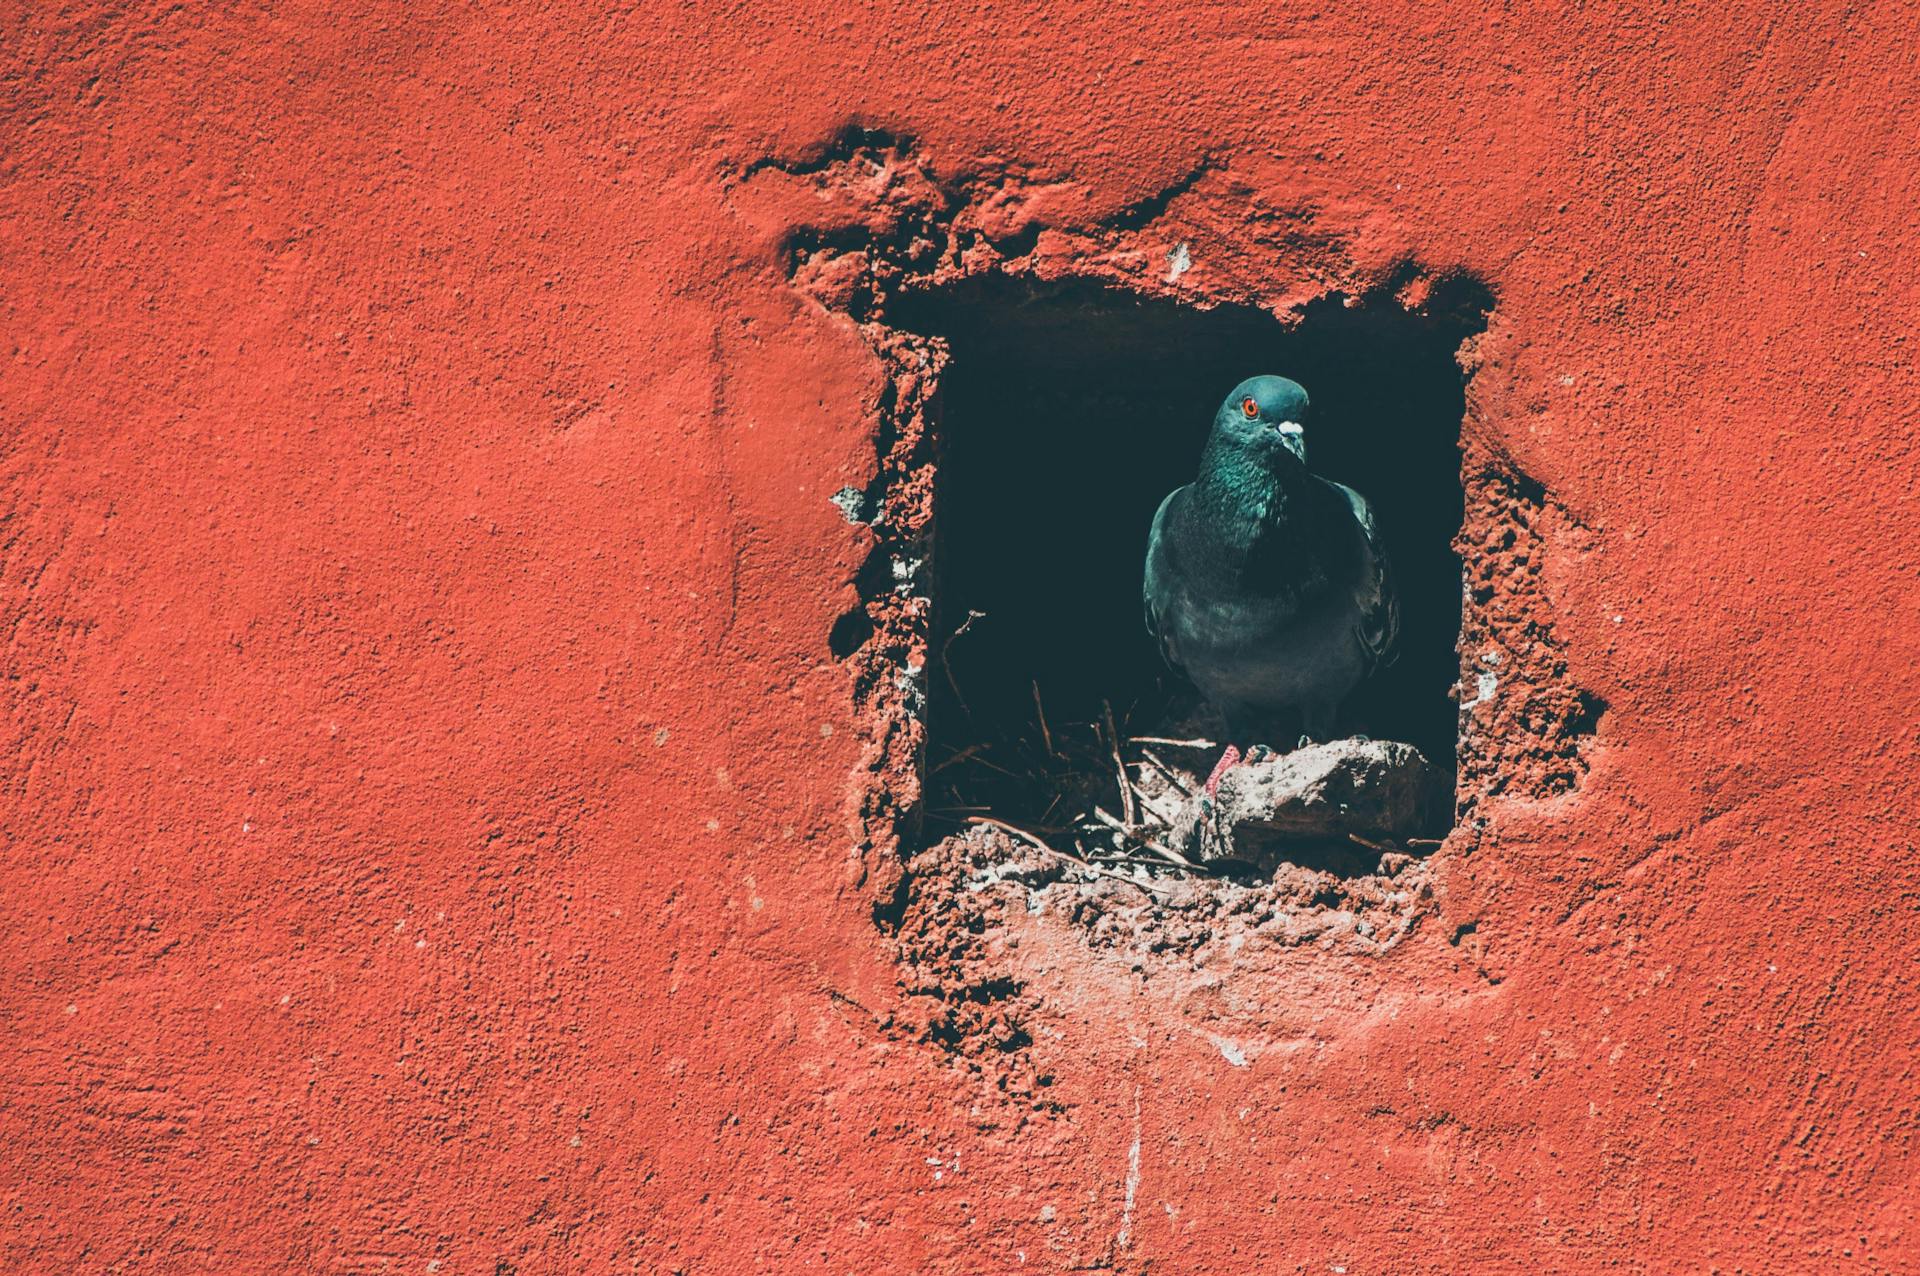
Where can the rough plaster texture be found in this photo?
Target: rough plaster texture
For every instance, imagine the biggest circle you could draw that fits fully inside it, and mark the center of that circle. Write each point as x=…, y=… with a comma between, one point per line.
x=439, y=836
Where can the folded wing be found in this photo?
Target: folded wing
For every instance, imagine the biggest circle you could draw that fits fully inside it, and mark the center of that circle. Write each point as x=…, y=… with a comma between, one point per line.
x=1378, y=623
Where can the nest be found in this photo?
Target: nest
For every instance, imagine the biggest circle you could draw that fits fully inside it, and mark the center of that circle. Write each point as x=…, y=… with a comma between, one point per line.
x=1090, y=792
x=1130, y=803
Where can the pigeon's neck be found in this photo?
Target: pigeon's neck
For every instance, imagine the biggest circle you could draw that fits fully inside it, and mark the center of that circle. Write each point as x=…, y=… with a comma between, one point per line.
x=1245, y=500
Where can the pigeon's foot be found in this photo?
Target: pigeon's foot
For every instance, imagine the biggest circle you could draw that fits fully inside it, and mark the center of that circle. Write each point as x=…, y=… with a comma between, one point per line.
x=1228, y=760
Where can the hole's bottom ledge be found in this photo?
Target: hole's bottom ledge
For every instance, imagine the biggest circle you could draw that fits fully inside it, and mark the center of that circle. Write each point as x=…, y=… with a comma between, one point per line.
x=1343, y=805
x=1365, y=904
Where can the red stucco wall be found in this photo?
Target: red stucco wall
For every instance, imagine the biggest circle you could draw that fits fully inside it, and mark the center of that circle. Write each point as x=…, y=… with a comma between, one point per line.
x=426, y=778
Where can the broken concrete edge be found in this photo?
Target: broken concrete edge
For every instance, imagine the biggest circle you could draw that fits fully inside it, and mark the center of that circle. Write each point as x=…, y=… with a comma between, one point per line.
x=894, y=228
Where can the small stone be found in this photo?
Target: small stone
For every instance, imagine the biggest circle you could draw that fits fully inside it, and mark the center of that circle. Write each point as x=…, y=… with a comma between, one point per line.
x=1319, y=793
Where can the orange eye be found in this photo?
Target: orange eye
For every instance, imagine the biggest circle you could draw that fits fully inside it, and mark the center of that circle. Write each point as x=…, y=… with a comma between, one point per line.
x=1248, y=406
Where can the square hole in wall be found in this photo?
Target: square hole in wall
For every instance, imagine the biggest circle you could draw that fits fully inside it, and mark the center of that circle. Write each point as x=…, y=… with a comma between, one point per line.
x=1064, y=416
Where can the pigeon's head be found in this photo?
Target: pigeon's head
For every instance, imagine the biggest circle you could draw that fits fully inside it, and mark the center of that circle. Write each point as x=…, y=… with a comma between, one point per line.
x=1266, y=414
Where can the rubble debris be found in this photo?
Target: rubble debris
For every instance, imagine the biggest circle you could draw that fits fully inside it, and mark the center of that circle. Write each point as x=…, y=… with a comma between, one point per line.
x=1357, y=790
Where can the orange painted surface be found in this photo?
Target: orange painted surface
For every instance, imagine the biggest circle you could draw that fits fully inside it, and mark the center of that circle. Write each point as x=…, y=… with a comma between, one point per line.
x=426, y=779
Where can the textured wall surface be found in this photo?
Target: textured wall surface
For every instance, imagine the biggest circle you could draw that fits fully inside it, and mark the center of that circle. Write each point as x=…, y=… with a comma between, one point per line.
x=431, y=820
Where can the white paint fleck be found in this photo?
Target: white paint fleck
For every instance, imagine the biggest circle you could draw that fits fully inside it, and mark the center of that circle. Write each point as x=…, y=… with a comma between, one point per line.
x=911, y=683
x=1133, y=1177
x=852, y=503
x=1048, y=1213
x=986, y=876
x=1618, y=619
x=1566, y=379
x=660, y=736
x=1231, y=1051
x=1484, y=687
x=1179, y=262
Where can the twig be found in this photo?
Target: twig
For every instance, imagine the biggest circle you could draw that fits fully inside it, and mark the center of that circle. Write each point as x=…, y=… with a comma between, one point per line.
x=958, y=755
x=1166, y=772
x=1148, y=806
x=975, y=754
x=1370, y=844
x=947, y=646
x=991, y=765
x=1164, y=852
x=1429, y=842
x=1046, y=736
x=1029, y=838
x=1174, y=857
x=1127, y=804
x=1039, y=845
x=1172, y=744
x=1146, y=809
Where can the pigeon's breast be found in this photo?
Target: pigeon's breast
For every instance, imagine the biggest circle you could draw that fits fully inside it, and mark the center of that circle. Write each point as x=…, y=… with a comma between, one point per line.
x=1268, y=653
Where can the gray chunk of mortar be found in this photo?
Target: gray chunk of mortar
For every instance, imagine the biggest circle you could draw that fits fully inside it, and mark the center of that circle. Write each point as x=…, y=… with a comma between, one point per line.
x=1374, y=788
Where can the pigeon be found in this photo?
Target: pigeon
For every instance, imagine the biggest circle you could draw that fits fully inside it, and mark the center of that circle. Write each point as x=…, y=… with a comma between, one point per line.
x=1266, y=584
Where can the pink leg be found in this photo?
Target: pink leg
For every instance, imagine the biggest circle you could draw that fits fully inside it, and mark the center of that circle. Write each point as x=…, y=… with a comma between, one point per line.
x=1228, y=760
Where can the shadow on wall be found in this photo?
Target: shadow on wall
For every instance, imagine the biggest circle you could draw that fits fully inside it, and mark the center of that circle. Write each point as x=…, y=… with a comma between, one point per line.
x=1069, y=410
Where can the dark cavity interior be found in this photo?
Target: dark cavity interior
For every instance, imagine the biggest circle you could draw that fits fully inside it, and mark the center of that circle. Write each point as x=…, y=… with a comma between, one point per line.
x=1066, y=414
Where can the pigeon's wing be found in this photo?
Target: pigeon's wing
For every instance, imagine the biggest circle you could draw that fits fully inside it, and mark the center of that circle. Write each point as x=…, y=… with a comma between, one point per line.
x=1378, y=624
x=1157, y=588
